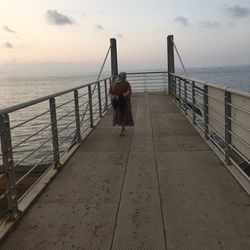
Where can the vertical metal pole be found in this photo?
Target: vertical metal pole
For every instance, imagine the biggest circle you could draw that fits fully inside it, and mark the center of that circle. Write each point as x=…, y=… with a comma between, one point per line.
x=54, y=131
x=173, y=87
x=99, y=99
x=179, y=87
x=205, y=101
x=228, y=125
x=193, y=102
x=106, y=95
x=171, y=68
x=114, y=64
x=90, y=107
x=185, y=96
x=8, y=164
x=77, y=115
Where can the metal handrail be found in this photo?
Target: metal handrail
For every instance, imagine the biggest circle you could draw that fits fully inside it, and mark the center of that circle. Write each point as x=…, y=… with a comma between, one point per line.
x=59, y=139
x=231, y=90
x=45, y=98
x=221, y=106
x=58, y=130
x=148, y=80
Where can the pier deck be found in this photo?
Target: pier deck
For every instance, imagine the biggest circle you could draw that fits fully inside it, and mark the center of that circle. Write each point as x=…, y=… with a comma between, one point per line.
x=159, y=187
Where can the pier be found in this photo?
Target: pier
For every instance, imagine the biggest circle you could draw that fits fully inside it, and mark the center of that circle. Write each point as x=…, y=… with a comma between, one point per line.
x=159, y=187
x=178, y=180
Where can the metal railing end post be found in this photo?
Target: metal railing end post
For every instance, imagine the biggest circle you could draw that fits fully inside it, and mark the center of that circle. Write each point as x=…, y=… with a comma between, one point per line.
x=90, y=107
x=99, y=99
x=205, y=100
x=54, y=131
x=228, y=137
x=8, y=164
x=193, y=102
x=77, y=115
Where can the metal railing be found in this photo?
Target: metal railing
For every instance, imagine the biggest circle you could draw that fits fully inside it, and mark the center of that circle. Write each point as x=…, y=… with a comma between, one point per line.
x=222, y=114
x=39, y=135
x=148, y=81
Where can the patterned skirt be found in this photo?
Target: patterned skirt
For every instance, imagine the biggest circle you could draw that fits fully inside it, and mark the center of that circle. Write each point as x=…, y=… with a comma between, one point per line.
x=123, y=118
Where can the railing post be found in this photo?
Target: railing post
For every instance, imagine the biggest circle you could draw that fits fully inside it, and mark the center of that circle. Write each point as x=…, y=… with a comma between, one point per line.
x=77, y=115
x=8, y=163
x=205, y=101
x=185, y=96
x=106, y=94
x=145, y=83
x=54, y=131
x=173, y=87
x=193, y=102
x=228, y=137
x=114, y=64
x=90, y=107
x=99, y=99
x=171, y=68
x=164, y=82
x=179, y=88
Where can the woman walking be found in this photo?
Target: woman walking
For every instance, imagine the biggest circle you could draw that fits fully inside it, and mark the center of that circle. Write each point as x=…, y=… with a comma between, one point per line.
x=120, y=94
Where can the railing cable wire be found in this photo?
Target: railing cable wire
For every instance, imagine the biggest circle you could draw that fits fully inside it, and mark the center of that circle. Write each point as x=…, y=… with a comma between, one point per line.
x=180, y=58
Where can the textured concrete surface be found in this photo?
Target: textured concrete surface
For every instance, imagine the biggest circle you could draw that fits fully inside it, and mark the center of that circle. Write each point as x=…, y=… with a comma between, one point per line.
x=159, y=187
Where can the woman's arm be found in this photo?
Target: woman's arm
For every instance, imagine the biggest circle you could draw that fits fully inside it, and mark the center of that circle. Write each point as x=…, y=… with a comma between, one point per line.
x=129, y=90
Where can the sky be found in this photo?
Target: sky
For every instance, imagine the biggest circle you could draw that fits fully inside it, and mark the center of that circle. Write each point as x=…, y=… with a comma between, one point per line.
x=74, y=35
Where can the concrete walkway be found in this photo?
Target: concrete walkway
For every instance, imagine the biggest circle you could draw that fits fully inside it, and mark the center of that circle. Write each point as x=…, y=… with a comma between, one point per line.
x=160, y=187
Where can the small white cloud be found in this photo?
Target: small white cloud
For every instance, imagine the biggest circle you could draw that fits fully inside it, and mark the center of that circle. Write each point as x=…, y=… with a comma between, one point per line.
x=6, y=28
x=119, y=35
x=182, y=20
x=99, y=27
x=56, y=18
x=8, y=45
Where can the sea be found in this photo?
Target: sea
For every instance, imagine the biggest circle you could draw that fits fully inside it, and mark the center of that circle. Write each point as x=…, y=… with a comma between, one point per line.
x=15, y=89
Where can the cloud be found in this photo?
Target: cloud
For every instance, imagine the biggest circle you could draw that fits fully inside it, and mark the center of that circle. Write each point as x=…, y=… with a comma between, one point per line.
x=99, y=27
x=56, y=18
x=182, y=20
x=209, y=24
x=237, y=11
x=119, y=35
x=6, y=28
x=8, y=45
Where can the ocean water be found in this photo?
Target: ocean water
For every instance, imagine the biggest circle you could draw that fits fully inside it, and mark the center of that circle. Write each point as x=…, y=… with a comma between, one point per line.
x=237, y=77
x=18, y=89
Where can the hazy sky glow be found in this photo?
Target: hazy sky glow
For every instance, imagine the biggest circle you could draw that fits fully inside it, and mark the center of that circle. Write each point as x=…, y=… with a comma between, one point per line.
x=47, y=33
